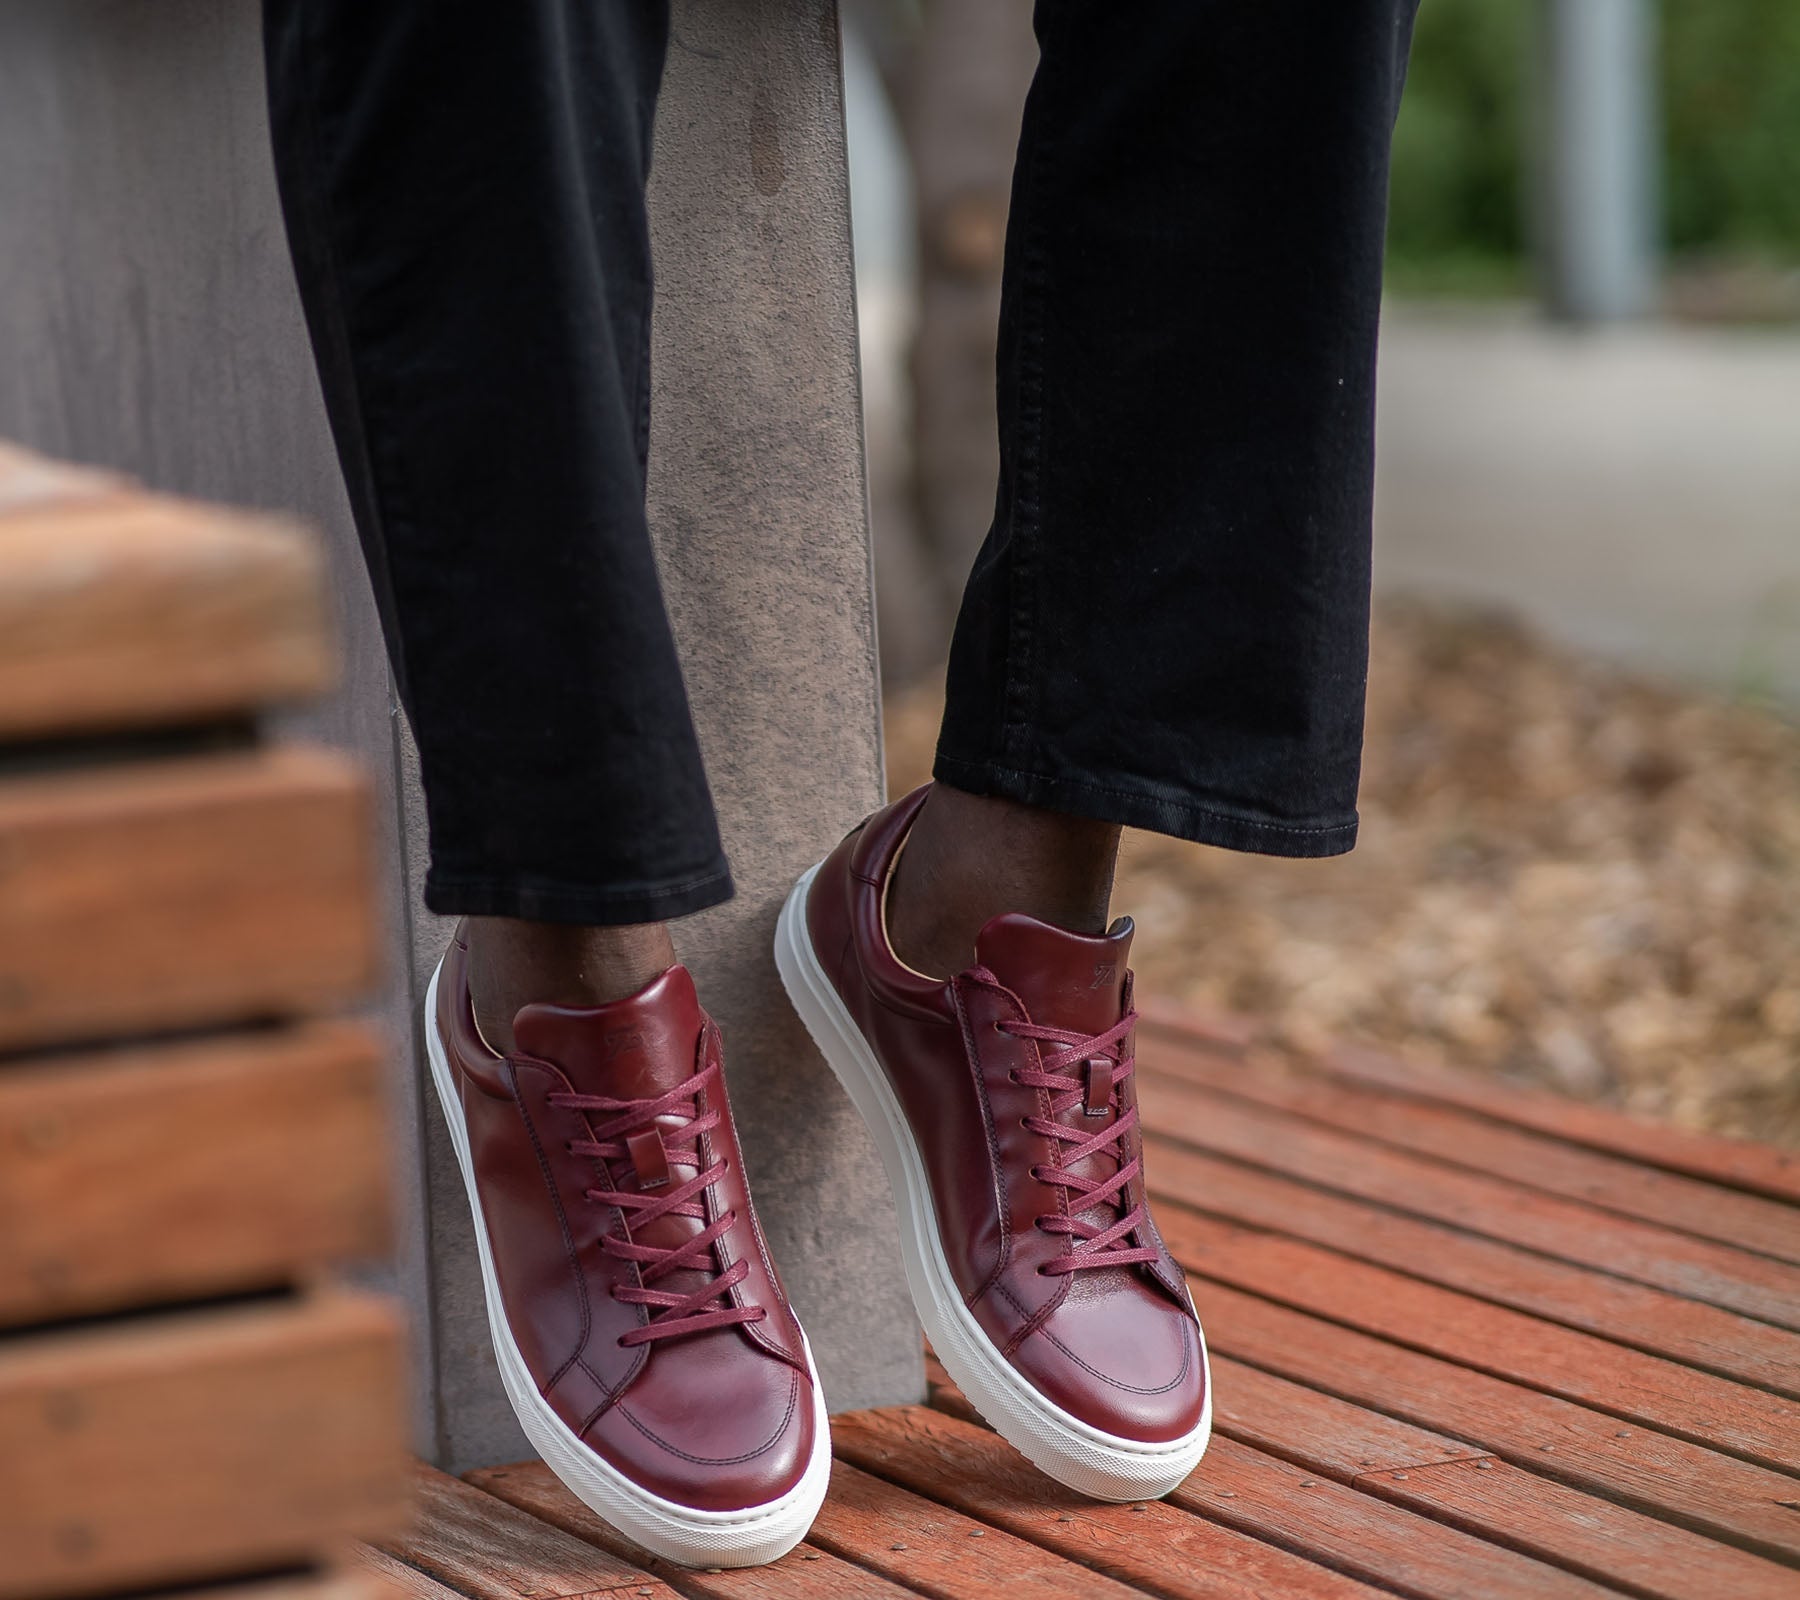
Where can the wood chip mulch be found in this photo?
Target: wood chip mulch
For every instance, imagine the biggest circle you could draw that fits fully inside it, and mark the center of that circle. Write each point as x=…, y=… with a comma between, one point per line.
x=1565, y=872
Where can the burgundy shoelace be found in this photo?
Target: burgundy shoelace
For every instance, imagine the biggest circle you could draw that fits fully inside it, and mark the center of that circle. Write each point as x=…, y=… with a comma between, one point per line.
x=1093, y=1245
x=675, y=1314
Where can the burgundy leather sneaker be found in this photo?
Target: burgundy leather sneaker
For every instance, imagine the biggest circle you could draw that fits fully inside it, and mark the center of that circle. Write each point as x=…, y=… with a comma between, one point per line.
x=642, y=1334
x=1003, y=1105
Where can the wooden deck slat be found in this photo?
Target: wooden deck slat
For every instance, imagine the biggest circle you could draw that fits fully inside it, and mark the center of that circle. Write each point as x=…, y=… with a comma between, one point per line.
x=1507, y=1507
x=1364, y=1536
x=1539, y=1355
x=1568, y=1230
x=808, y=1573
x=1652, y=1320
x=1686, y=1204
x=1269, y=1485
x=1501, y=1503
x=1492, y=1499
x=1667, y=1477
x=485, y=1549
x=1319, y=1431
x=1736, y=1163
x=1154, y=1546
x=936, y=1550
x=402, y=1579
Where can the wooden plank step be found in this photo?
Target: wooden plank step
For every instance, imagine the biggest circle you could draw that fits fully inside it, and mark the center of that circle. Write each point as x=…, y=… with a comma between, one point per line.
x=352, y=1582
x=176, y=1448
x=1648, y=1319
x=1736, y=1163
x=1663, y=1476
x=121, y=609
x=806, y=1573
x=1492, y=1499
x=181, y=1171
x=1151, y=1545
x=182, y=893
x=1696, y=1269
x=481, y=1547
x=1688, y=1205
x=1540, y=1355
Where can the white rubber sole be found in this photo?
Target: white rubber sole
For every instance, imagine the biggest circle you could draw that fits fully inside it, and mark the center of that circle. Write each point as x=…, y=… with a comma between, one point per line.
x=695, y=1538
x=1073, y=1452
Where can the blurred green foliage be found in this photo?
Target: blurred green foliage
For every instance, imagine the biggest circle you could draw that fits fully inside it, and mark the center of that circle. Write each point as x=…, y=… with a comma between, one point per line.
x=1730, y=100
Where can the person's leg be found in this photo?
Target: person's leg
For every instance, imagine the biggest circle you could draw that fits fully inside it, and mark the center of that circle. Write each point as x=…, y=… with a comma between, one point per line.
x=464, y=190
x=1167, y=626
x=464, y=193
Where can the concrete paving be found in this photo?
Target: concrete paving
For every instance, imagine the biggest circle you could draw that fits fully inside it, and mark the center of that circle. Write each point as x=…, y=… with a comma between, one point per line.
x=1634, y=491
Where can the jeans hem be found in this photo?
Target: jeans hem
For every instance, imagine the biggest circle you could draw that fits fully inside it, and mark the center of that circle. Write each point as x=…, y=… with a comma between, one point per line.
x=585, y=905
x=1211, y=824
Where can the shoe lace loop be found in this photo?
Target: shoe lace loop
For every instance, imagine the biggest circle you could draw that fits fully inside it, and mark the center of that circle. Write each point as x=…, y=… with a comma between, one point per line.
x=672, y=1314
x=1060, y=1072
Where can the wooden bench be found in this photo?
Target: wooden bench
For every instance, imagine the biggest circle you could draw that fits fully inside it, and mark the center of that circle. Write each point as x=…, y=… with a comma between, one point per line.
x=1469, y=1340
x=190, y=1142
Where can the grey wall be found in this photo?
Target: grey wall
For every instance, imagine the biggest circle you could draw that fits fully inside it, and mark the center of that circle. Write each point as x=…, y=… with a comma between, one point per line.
x=148, y=322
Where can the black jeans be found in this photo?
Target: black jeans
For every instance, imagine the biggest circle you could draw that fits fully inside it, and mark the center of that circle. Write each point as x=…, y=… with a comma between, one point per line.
x=1167, y=625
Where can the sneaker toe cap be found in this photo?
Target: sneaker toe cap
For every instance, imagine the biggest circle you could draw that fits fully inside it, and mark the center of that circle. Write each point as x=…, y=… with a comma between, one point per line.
x=724, y=1437
x=1126, y=1364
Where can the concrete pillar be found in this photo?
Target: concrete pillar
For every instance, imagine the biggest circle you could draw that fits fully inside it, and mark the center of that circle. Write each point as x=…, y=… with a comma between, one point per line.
x=149, y=322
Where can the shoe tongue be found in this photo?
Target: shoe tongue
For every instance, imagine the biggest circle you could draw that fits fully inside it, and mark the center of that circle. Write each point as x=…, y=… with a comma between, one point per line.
x=631, y=1049
x=1066, y=980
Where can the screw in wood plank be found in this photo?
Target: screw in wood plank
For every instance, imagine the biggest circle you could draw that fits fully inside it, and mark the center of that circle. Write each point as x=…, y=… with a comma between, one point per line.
x=65, y=1409
x=1309, y=1483
x=809, y=1555
x=1400, y=1475
x=1484, y=1466
x=1623, y=1433
x=896, y=1547
x=1547, y=1448
x=1140, y=1506
x=1228, y=1494
x=44, y=1133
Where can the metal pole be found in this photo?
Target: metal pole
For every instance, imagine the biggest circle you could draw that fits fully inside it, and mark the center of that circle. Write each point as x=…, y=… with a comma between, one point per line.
x=1599, y=226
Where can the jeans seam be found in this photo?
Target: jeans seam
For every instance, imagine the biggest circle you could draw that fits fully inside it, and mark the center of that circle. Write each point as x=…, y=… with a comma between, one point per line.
x=389, y=504
x=1018, y=693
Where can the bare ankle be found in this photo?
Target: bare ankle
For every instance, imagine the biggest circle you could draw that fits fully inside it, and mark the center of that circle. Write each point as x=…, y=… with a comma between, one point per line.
x=514, y=964
x=971, y=857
